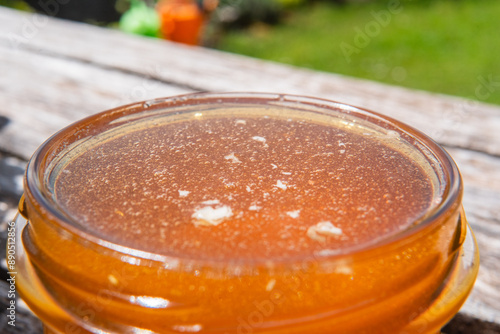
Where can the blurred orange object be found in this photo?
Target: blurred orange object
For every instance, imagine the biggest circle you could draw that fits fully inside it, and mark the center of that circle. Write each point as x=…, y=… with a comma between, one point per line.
x=181, y=20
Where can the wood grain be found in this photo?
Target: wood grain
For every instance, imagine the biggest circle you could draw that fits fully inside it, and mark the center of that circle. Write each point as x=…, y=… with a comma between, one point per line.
x=57, y=72
x=40, y=95
x=481, y=175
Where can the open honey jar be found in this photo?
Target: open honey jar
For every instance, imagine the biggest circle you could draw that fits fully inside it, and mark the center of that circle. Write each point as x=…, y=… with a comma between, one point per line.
x=243, y=213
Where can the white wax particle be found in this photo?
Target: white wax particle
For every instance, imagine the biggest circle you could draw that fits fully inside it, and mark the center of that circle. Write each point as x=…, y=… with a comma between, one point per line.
x=209, y=216
x=321, y=230
x=183, y=193
x=328, y=229
x=261, y=139
x=342, y=147
x=293, y=214
x=280, y=185
x=233, y=158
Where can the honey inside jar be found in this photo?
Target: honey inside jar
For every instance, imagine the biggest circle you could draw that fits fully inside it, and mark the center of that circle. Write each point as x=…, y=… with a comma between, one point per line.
x=243, y=217
x=253, y=188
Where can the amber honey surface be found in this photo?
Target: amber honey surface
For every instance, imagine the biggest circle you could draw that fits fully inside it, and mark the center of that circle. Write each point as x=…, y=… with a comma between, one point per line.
x=235, y=188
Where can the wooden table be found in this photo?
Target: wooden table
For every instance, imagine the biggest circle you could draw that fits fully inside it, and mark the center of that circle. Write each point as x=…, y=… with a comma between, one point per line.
x=54, y=72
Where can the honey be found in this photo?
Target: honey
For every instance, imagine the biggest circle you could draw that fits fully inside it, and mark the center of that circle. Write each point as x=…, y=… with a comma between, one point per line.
x=272, y=178
x=243, y=214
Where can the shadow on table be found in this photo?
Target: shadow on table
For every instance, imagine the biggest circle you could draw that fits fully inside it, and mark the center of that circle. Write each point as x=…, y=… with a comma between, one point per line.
x=464, y=324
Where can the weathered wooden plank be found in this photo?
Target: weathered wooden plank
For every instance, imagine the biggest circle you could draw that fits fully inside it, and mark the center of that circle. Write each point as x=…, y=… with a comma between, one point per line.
x=40, y=95
x=464, y=324
x=481, y=176
x=452, y=121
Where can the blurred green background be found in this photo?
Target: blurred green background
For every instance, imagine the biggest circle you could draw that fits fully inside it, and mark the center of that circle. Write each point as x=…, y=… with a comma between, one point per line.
x=443, y=46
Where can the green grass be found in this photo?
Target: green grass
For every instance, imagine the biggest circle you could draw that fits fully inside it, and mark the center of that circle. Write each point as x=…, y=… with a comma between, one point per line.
x=443, y=46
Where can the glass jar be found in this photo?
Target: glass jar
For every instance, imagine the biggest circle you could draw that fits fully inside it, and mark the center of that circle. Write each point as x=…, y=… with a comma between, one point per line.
x=243, y=213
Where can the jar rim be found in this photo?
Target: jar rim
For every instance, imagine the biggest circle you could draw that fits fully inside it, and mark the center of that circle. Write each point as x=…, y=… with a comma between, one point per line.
x=38, y=196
